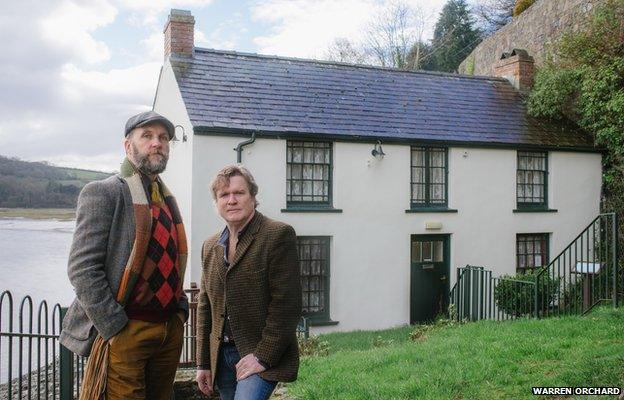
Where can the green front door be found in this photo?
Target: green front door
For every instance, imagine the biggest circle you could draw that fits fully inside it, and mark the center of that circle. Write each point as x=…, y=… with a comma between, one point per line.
x=429, y=276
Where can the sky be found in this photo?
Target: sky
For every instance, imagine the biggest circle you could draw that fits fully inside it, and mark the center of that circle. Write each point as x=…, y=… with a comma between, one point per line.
x=73, y=71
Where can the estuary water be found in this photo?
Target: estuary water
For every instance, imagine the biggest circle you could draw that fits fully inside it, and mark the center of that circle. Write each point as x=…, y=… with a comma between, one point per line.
x=33, y=262
x=33, y=259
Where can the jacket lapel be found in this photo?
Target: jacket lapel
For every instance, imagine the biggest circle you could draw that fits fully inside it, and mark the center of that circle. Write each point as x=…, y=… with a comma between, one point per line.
x=247, y=239
x=219, y=253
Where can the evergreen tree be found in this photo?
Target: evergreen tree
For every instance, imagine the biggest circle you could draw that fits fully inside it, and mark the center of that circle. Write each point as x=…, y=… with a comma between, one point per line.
x=454, y=37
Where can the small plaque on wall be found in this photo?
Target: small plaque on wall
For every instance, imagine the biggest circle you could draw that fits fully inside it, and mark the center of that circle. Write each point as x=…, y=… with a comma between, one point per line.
x=433, y=225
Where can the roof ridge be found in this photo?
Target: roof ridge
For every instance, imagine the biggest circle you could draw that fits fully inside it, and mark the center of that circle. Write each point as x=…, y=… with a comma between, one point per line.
x=344, y=64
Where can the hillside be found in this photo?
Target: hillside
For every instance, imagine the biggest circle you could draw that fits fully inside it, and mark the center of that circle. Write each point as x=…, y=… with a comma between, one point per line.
x=27, y=184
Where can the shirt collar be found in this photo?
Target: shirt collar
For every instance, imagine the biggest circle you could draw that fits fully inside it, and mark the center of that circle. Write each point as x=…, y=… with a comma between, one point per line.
x=225, y=234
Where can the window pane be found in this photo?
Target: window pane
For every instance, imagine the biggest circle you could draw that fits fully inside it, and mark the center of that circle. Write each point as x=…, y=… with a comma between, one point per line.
x=428, y=174
x=521, y=261
x=427, y=251
x=531, y=178
x=296, y=172
x=416, y=252
x=307, y=172
x=313, y=253
x=439, y=251
x=297, y=155
x=418, y=157
x=296, y=187
x=318, y=172
x=532, y=250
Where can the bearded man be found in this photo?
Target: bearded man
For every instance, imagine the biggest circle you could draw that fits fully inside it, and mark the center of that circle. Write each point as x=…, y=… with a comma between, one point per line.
x=126, y=264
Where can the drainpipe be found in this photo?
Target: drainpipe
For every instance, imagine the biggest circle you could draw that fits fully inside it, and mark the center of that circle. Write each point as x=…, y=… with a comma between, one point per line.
x=239, y=147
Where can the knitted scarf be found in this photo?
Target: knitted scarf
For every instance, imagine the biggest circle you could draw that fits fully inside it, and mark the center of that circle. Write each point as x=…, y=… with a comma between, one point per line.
x=94, y=381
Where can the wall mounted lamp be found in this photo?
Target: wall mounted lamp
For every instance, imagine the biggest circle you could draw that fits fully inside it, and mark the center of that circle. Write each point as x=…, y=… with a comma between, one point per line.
x=377, y=151
x=175, y=137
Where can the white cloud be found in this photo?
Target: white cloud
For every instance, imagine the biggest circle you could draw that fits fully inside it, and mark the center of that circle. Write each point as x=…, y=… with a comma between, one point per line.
x=135, y=82
x=148, y=12
x=70, y=25
x=218, y=39
x=154, y=46
x=306, y=28
x=107, y=162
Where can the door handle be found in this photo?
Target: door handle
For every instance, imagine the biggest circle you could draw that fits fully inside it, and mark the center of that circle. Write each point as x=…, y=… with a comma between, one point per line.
x=443, y=278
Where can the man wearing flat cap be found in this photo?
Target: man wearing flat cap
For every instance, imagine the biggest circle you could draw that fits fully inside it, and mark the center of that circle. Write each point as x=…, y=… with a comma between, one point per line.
x=126, y=264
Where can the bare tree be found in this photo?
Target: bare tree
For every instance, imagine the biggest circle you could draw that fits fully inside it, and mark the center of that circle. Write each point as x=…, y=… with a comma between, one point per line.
x=420, y=19
x=394, y=38
x=343, y=50
x=491, y=15
x=392, y=33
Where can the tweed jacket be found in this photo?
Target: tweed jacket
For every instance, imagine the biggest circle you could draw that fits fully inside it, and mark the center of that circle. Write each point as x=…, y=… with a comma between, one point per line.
x=102, y=246
x=262, y=292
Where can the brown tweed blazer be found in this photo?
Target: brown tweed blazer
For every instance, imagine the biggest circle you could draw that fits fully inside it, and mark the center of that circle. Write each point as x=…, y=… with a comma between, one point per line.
x=262, y=292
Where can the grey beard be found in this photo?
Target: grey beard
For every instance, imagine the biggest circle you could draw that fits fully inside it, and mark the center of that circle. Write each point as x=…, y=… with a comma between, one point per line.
x=151, y=168
x=147, y=167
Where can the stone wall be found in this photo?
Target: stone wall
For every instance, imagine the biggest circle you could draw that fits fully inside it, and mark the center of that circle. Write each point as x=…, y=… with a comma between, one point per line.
x=534, y=31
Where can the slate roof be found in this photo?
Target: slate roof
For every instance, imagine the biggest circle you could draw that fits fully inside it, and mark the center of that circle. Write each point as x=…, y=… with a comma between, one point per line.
x=232, y=92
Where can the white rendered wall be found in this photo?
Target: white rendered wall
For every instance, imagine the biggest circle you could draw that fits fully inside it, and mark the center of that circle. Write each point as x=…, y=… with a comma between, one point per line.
x=370, y=247
x=177, y=176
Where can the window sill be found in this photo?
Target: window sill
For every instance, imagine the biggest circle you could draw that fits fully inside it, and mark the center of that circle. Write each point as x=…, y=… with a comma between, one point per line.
x=310, y=209
x=322, y=322
x=430, y=210
x=534, y=210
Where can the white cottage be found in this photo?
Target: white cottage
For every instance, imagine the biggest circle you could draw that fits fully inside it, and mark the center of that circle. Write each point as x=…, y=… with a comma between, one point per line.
x=392, y=179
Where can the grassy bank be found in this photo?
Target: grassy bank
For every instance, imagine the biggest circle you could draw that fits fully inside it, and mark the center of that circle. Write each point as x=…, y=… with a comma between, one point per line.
x=38, y=213
x=483, y=360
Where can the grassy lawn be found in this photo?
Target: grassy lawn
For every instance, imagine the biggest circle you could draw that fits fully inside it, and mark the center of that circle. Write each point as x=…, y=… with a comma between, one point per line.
x=482, y=360
x=38, y=213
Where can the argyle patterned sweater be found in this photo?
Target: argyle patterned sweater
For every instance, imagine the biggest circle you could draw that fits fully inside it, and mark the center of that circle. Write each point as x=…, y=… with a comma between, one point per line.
x=158, y=289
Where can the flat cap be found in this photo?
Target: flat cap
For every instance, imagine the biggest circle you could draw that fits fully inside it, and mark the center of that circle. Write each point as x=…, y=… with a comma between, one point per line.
x=149, y=117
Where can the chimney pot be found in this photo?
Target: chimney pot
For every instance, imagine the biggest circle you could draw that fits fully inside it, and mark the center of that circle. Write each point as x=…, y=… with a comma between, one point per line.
x=518, y=68
x=179, y=31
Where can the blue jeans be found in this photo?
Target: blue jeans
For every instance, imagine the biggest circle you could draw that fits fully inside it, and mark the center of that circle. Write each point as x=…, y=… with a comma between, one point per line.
x=251, y=388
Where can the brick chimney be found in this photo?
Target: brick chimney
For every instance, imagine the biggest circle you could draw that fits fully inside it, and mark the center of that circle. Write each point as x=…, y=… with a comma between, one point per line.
x=518, y=68
x=179, y=39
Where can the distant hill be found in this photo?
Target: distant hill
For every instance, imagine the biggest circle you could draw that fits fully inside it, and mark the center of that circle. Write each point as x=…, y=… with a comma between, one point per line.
x=26, y=184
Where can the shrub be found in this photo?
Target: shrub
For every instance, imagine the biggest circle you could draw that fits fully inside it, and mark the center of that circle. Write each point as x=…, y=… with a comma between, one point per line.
x=514, y=296
x=520, y=6
x=583, y=80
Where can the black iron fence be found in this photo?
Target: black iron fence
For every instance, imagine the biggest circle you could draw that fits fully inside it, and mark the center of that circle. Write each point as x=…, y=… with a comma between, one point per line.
x=478, y=295
x=34, y=365
x=187, y=358
x=584, y=274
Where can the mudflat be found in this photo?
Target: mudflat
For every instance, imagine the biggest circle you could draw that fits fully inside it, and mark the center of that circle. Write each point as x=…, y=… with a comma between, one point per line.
x=63, y=214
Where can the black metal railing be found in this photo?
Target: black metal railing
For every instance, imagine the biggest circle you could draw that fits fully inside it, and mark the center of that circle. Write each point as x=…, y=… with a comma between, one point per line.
x=478, y=295
x=187, y=358
x=33, y=364
x=189, y=347
x=584, y=274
